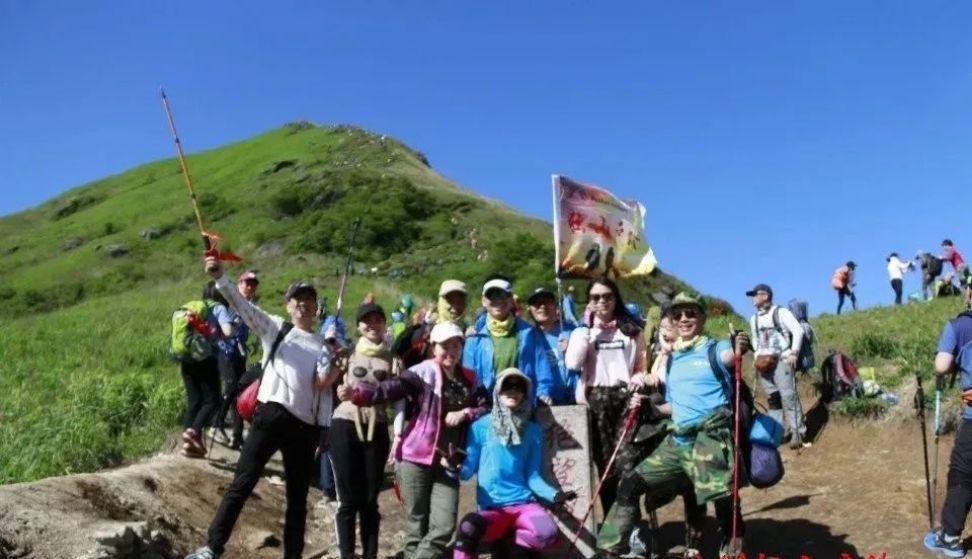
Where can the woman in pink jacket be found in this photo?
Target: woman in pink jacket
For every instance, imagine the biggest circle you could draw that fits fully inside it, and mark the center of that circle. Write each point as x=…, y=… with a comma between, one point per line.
x=441, y=398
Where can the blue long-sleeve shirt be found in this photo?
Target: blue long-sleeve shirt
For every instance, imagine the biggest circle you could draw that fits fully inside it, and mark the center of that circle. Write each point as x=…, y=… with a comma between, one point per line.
x=505, y=475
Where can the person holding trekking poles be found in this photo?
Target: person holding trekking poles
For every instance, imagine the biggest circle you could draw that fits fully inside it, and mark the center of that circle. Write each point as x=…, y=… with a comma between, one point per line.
x=954, y=356
x=700, y=449
x=294, y=406
x=777, y=337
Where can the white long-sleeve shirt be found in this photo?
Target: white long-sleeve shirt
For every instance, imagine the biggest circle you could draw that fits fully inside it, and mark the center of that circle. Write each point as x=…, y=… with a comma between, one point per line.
x=897, y=268
x=768, y=340
x=301, y=358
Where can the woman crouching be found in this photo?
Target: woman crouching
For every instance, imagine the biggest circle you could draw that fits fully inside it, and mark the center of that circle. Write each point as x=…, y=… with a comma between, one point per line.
x=504, y=452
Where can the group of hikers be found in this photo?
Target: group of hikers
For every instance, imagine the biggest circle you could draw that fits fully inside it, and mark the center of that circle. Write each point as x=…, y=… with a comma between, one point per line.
x=933, y=284
x=445, y=400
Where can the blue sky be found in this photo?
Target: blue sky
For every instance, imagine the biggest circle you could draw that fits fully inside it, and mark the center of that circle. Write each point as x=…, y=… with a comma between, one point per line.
x=769, y=141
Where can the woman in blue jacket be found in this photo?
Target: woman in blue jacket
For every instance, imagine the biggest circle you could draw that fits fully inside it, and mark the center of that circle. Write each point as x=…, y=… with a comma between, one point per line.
x=504, y=452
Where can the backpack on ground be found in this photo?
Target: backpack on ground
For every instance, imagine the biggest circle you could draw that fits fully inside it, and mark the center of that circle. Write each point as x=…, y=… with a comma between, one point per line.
x=761, y=434
x=806, y=360
x=187, y=343
x=840, y=378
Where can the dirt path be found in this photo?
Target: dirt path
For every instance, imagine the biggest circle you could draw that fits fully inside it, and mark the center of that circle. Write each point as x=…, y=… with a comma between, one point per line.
x=859, y=490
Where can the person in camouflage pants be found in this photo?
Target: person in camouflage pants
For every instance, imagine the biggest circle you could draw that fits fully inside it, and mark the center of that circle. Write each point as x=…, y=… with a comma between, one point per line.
x=698, y=451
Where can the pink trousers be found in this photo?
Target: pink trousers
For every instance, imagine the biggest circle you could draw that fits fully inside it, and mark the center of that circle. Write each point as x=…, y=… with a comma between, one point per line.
x=532, y=525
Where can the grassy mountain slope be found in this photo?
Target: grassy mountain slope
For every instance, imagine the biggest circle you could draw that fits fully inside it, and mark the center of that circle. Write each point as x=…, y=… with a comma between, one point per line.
x=84, y=379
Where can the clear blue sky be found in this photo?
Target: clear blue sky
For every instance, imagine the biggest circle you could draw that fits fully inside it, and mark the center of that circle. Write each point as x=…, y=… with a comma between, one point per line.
x=769, y=141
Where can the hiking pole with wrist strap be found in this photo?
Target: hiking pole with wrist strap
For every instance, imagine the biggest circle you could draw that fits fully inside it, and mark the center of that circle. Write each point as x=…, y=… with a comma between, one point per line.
x=629, y=423
x=736, y=451
x=920, y=410
x=939, y=388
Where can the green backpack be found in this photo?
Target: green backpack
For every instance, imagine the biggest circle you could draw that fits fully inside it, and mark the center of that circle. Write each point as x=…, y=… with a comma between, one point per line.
x=186, y=344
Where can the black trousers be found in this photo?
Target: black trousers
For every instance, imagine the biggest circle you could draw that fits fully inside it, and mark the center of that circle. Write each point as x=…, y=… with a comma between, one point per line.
x=274, y=428
x=958, y=499
x=359, y=472
x=896, y=285
x=231, y=369
x=845, y=292
x=201, y=379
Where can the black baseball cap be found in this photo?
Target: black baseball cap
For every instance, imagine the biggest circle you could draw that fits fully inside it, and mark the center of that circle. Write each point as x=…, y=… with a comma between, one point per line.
x=299, y=287
x=540, y=292
x=369, y=308
x=760, y=287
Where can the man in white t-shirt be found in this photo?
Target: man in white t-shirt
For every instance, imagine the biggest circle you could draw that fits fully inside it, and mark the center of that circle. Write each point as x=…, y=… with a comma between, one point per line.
x=777, y=337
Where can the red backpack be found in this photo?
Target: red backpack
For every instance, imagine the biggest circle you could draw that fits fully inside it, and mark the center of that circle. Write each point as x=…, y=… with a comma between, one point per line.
x=840, y=378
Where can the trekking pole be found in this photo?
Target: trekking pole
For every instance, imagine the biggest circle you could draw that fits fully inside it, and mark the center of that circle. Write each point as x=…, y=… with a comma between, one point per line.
x=355, y=225
x=939, y=387
x=210, y=240
x=736, y=451
x=920, y=409
x=629, y=424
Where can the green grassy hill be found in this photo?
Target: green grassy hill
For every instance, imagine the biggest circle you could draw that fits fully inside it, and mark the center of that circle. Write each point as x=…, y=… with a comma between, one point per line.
x=83, y=374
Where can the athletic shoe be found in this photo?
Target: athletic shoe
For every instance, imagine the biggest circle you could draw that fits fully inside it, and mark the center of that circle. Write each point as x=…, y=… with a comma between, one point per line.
x=936, y=541
x=190, y=451
x=729, y=551
x=203, y=553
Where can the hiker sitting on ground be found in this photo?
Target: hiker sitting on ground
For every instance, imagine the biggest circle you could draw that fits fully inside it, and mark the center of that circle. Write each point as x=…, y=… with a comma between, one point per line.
x=359, y=442
x=700, y=448
x=777, y=337
x=896, y=271
x=294, y=406
x=954, y=356
x=505, y=341
x=609, y=350
x=542, y=304
x=843, y=283
x=504, y=453
x=443, y=398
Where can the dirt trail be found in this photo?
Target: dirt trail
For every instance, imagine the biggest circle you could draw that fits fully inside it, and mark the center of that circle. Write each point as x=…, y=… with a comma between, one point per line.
x=859, y=490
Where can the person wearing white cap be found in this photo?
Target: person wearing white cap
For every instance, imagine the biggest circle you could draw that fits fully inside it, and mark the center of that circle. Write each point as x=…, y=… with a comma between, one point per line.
x=444, y=398
x=412, y=345
x=505, y=341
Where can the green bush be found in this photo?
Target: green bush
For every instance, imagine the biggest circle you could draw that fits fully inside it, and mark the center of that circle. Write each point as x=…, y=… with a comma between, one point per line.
x=860, y=408
x=873, y=345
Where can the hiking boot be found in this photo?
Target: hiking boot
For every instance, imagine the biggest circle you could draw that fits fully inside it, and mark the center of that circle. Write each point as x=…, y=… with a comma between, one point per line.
x=190, y=451
x=940, y=543
x=203, y=553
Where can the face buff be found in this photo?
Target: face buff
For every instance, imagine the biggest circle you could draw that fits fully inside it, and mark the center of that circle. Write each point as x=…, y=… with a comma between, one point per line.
x=509, y=423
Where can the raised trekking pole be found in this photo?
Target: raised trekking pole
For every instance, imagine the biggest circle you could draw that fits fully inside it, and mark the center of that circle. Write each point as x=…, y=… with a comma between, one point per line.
x=355, y=225
x=210, y=240
x=629, y=423
x=920, y=409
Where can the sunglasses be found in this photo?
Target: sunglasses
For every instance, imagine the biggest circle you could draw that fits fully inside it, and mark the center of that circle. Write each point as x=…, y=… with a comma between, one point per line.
x=518, y=386
x=497, y=295
x=687, y=313
x=606, y=297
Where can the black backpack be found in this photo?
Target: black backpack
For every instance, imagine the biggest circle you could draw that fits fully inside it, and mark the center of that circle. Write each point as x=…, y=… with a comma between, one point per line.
x=412, y=346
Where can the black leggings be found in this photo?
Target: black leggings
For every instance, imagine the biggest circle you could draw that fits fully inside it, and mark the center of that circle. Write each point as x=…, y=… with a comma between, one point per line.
x=231, y=369
x=959, y=496
x=896, y=285
x=844, y=292
x=201, y=379
x=359, y=472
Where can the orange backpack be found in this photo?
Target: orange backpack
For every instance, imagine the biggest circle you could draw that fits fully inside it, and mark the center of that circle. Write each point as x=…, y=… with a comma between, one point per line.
x=841, y=276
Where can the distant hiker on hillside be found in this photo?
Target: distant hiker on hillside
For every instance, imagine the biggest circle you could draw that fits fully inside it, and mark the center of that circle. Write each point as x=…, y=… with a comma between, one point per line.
x=232, y=359
x=542, y=304
x=777, y=337
x=954, y=355
x=569, y=308
x=295, y=406
x=699, y=449
x=201, y=378
x=897, y=268
x=505, y=341
x=359, y=443
x=609, y=351
x=931, y=268
x=951, y=255
x=843, y=283
x=413, y=345
x=504, y=452
x=443, y=398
